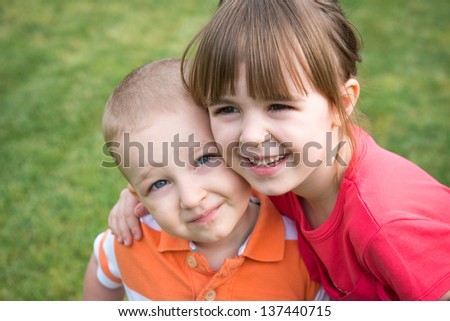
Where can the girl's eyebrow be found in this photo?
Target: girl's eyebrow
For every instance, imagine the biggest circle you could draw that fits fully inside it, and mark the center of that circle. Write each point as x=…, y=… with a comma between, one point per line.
x=224, y=101
x=287, y=99
x=219, y=101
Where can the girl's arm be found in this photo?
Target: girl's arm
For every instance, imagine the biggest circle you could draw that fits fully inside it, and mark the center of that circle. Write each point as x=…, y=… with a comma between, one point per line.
x=445, y=297
x=123, y=218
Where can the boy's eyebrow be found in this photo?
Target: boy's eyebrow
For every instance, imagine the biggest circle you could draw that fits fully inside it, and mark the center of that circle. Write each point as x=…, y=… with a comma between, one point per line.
x=192, y=152
x=141, y=177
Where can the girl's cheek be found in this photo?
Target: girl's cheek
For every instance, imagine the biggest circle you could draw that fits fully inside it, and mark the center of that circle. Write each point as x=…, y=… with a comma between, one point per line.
x=226, y=144
x=216, y=132
x=239, y=170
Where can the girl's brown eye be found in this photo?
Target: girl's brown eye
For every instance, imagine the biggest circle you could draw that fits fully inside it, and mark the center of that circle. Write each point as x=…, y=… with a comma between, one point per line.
x=226, y=110
x=278, y=107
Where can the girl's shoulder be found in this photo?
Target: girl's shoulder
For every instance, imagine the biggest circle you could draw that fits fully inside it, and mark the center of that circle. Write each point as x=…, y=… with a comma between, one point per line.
x=373, y=165
x=388, y=184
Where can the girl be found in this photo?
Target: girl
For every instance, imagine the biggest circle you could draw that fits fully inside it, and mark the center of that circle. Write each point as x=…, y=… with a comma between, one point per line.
x=279, y=81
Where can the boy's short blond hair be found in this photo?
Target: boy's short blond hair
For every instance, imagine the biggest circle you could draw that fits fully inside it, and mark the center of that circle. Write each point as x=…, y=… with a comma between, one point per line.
x=147, y=91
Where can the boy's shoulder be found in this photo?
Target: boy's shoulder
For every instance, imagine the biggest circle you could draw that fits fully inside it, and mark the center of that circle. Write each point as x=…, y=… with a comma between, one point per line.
x=150, y=222
x=273, y=217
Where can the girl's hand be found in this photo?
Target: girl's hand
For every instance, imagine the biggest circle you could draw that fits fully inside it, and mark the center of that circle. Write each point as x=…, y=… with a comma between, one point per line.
x=123, y=219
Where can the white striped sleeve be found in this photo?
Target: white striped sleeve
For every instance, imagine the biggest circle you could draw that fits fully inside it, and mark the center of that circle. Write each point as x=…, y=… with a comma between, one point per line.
x=106, y=248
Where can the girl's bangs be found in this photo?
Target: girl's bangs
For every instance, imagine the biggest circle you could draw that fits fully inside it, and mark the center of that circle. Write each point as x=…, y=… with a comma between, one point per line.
x=267, y=70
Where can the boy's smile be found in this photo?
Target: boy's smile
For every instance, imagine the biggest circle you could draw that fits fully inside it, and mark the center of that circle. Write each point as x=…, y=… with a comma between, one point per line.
x=193, y=195
x=206, y=216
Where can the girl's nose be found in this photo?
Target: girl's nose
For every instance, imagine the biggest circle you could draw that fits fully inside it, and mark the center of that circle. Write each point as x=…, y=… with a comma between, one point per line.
x=253, y=133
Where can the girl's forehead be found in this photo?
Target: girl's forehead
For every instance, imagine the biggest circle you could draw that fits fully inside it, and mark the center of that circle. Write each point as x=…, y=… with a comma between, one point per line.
x=275, y=84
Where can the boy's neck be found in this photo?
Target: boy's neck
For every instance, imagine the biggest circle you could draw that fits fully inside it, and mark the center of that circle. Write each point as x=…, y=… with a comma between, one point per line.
x=216, y=252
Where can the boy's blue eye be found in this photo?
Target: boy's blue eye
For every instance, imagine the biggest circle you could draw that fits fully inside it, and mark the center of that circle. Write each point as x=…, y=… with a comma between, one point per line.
x=159, y=184
x=203, y=159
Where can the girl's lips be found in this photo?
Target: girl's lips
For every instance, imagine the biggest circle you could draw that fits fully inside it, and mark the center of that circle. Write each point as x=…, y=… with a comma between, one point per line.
x=267, y=161
x=265, y=167
x=206, y=216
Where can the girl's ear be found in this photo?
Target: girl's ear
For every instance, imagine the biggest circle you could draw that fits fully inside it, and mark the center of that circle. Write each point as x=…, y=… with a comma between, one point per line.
x=133, y=191
x=350, y=95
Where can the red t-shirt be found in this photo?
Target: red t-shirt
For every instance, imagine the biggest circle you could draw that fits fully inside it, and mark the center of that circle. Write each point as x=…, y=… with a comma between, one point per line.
x=388, y=237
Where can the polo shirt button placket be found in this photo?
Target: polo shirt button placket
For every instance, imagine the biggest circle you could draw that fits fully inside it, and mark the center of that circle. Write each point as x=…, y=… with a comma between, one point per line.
x=210, y=295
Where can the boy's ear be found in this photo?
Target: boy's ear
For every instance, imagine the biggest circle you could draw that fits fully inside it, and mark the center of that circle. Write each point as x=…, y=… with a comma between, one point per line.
x=133, y=191
x=350, y=95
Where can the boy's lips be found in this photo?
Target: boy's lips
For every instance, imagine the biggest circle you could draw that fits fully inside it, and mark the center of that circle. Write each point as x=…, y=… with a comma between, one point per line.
x=205, y=216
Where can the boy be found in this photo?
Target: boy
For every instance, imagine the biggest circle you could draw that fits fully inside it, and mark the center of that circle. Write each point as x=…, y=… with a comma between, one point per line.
x=206, y=237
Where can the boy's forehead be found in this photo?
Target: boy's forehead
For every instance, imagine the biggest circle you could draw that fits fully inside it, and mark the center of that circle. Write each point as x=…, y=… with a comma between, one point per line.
x=164, y=142
x=175, y=126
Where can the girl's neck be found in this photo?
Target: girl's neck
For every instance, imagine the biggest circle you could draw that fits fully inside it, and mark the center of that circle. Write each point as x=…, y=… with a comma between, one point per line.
x=319, y=193
x=216, y=252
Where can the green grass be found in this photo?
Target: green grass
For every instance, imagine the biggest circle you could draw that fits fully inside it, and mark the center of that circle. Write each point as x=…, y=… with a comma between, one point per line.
x=406, y=62
x=59, y=61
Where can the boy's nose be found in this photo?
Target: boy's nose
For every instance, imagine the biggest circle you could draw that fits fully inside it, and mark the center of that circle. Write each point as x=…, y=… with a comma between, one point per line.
x=191, y=194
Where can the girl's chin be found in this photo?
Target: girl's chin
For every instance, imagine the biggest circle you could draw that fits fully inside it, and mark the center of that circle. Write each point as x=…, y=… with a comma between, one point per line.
x=266, y=186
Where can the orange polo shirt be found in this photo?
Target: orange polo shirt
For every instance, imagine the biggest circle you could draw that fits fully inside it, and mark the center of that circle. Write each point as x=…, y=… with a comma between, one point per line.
x=162, y=267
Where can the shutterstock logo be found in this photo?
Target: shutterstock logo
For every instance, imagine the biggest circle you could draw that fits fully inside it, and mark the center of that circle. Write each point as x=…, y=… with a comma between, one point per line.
x=249, y=152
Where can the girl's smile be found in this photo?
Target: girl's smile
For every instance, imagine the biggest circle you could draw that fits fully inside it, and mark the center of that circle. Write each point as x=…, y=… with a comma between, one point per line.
x=262, y=165
x=278, y=139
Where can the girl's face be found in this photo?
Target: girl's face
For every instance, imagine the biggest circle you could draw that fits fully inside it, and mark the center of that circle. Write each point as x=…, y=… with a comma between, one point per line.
x=284, y=145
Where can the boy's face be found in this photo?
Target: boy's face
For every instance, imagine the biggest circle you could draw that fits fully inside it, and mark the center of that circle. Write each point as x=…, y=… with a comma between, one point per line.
x=184, y=182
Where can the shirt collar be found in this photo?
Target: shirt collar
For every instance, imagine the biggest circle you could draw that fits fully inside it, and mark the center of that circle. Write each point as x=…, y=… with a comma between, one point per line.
x=265, y=243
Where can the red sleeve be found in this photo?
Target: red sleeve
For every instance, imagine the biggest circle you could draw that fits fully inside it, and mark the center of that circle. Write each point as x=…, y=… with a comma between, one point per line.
x=412, y=257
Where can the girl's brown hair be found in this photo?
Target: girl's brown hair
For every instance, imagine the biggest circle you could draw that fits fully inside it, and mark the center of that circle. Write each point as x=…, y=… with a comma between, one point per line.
x=270, y=36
